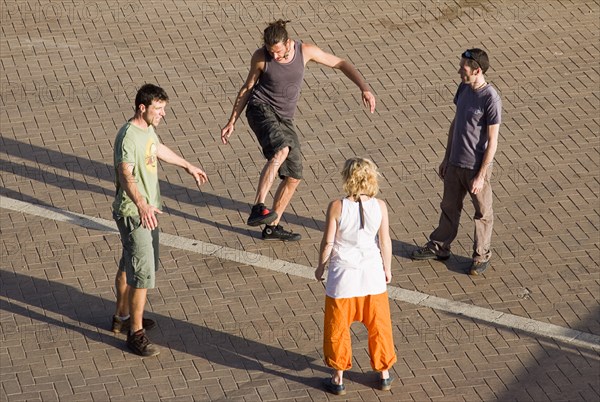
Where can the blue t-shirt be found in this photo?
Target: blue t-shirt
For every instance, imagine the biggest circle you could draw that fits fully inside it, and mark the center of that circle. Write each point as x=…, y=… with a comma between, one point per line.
x=475, y=111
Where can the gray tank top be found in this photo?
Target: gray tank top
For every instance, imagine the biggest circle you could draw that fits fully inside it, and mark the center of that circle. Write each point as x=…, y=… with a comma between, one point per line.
x=279, y=85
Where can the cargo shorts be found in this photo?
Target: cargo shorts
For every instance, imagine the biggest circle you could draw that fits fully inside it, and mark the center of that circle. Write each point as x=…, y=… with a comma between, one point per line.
x=274, y=133
x=139, y=260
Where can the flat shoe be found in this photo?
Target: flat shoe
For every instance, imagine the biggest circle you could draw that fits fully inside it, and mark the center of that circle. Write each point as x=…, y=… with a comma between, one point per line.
x=386, y=385
x=336, y=389
x=478, y=267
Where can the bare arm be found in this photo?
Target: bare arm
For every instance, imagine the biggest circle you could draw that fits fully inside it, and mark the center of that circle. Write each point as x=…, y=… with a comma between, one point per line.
x=444, y=164
x=165, y=154
x=333, y=214
x=129, y=184
x=385, y=242
x=312, y=52
x=257, y=65
x=488, y=158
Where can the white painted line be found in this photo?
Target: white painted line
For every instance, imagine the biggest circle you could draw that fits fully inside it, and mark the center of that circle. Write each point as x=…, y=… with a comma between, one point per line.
x=570, y=336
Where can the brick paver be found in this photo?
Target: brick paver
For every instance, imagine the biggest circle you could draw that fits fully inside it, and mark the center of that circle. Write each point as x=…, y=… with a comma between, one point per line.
x=68, y=73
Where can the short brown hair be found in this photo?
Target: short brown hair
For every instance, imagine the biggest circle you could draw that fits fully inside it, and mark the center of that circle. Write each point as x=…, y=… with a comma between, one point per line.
x=149, y=93
x=476, y=58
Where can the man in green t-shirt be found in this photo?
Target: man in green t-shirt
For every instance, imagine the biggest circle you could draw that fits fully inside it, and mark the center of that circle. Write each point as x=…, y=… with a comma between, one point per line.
x=137, y=201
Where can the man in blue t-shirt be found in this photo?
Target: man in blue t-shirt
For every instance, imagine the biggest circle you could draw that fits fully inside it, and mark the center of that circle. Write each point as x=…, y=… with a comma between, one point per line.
x=467, y=164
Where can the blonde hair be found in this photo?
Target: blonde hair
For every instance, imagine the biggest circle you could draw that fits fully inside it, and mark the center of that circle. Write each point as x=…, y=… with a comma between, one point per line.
x=360, y=176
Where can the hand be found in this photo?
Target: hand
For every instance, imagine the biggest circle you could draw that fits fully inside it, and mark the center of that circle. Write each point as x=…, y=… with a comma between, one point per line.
x=148, y=216
x=477, y=183
x=226, y=133
x=319, y=273
x=388, y=275
x=198, y=174
x=369, y=100
x=442, y=169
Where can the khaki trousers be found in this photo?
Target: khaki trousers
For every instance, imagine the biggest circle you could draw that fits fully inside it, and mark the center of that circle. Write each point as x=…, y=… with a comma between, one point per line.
x=457, y=183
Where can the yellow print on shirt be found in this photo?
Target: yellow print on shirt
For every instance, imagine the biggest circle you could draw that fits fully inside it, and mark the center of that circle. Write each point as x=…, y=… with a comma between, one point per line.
x=150, y=157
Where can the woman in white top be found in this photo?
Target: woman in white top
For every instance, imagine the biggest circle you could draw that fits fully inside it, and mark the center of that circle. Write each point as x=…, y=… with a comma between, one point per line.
x=357, y=245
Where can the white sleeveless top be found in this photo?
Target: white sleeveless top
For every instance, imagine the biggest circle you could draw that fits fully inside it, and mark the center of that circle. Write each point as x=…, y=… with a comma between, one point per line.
x=356, y=267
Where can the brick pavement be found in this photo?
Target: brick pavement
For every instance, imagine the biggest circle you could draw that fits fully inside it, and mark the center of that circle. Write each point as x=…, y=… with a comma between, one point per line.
x=230, y=331
x=68, y=73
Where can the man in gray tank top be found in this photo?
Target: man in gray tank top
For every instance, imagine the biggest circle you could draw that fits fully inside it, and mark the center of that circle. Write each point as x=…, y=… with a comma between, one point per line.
x=467, y=164
x=271, y=93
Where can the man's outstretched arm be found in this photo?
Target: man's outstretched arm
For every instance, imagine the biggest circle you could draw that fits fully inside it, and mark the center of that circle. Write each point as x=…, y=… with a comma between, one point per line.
x=165, y=154
x=314, y=53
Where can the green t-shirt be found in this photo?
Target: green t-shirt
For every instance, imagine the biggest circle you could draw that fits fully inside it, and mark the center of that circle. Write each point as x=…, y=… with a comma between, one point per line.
x=139, y=147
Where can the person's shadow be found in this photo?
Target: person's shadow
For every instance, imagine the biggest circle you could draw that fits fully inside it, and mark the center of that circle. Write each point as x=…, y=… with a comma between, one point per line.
x=94, y=172
x=90, y=315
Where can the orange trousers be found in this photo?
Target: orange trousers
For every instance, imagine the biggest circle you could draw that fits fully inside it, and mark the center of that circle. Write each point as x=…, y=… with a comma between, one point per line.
x=374, y=312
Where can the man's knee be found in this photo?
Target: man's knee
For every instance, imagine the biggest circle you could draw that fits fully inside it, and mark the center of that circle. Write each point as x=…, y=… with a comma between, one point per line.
x=292, y=180
x=121, y=276
x=281, y=155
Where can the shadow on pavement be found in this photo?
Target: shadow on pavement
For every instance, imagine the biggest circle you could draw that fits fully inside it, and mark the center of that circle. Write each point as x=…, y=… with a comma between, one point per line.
x=552, y=370
x=90, y=316
x=101, y=171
